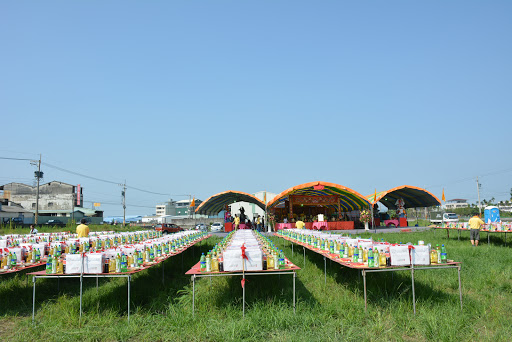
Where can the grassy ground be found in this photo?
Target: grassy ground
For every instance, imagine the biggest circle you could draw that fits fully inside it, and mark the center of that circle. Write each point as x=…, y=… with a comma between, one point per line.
x=325, y=312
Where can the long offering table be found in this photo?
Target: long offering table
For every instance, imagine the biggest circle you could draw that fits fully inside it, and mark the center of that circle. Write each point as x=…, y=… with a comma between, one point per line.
x=363, y=267
x=127, y=275
x=460, y=229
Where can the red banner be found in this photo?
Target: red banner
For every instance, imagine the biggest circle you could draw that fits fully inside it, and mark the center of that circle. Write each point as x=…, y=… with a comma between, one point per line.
x=78, y=195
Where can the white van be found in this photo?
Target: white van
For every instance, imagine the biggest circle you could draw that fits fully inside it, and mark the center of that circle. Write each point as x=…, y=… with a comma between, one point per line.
x=444, y=218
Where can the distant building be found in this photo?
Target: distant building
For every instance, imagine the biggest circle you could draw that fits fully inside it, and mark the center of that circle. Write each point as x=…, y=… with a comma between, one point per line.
x=456, y=203
x=166, y=208
x=52, y=196
x=56, y=200
x=183, y=207
x=10, y=210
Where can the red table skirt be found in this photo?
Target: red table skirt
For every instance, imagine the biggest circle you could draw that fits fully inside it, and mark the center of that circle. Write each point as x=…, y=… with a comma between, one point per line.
x=336, y=225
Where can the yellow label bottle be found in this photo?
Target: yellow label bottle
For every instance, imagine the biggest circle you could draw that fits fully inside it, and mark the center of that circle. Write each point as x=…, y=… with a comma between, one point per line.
x=270, y=262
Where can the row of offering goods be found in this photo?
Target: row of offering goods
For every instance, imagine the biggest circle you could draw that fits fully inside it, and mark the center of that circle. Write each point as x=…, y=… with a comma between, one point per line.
x=492, y=227
x=366, y=252
x=129, y=257
x=243, y=250
x=29, y=250
x=15, y=240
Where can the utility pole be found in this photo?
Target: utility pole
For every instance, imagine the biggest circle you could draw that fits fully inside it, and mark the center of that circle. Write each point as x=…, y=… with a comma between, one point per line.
x=478, y=185
x=123, y=193
x=38, y=176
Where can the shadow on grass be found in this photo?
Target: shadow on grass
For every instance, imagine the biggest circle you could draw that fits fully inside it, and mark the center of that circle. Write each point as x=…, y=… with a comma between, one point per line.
x=151, y=289
x=273, y=288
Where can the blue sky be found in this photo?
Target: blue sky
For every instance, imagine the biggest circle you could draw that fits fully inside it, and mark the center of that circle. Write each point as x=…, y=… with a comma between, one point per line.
x=198, y=97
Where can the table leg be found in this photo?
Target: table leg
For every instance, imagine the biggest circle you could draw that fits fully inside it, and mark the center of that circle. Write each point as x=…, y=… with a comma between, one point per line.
x=325, y=270
x=458, y=235
x=243, y=297
x=81, y=283
x=292, y=248
x=364, y=289
x=129, y=280
x=488, y=238
x=34, y=299
x=435, y=232
x=96, y=284
x=163, y=272
x=193, y=293
x=460, y=288
x=413, y=293
x=294, y=275
x=304, y=250
x=448, y=233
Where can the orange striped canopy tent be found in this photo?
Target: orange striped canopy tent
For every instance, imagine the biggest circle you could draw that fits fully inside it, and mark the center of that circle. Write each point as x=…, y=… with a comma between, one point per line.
x=414, y=197
x=347, y=199
x=216, y=203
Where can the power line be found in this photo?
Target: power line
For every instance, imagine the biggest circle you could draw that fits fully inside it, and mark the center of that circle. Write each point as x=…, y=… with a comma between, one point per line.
x=80, y=174
x=9, y=158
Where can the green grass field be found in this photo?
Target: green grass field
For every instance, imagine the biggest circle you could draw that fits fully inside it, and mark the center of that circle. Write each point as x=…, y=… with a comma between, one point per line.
x=325, y=312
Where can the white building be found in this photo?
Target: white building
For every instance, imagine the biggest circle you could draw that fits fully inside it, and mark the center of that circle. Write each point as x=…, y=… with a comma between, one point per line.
x=166, y=208
x=252, y=210
x=456, y=203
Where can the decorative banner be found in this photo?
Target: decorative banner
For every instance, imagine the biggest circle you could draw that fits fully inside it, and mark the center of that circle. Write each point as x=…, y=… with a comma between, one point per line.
x=315, y=200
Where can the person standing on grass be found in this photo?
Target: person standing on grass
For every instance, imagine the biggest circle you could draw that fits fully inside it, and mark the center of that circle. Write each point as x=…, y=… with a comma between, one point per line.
x=33, y=229
x=82, y=229
x=475, y=223
x=237, y=221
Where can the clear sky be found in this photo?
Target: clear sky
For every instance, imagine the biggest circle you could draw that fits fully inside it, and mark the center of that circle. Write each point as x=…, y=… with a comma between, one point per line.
x=199, y=97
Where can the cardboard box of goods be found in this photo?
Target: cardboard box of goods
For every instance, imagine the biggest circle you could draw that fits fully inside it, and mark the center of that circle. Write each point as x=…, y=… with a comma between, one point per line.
x=381, y=247
x=364, y=244
x=255, y=259
x=94, y=263
x=112, y=253
x=352, y=242
x=71, y=241
x=85, y=239
x=232, y=259
x=41, y=247
x=128, y=250
x=421, y=255
x=3, y=243
x=20, y=252
x=74, y=263
x=399, y=255
x=57, y=243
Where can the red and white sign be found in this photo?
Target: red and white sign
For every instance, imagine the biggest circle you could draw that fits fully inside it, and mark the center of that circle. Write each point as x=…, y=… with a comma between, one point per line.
x=78, y=195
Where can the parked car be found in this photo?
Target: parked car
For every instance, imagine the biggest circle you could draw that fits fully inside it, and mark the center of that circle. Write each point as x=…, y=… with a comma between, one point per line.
x=55, y=223
x=216, y=227
x=17, y=221
x=201, y=226
x=167, y=228
x=444, y=218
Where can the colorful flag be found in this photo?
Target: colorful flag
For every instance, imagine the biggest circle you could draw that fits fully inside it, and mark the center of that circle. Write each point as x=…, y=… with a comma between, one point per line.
x=375, y=196
x=443, y=198
x=265, y=198
x=193, y=203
